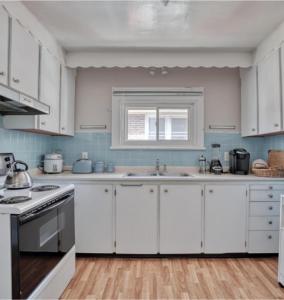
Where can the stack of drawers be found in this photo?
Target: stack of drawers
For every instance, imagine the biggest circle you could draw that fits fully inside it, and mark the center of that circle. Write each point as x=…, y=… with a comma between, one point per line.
x=264, y=211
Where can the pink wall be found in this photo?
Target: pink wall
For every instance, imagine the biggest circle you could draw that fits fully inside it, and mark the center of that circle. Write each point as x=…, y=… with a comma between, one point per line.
x=222, y=91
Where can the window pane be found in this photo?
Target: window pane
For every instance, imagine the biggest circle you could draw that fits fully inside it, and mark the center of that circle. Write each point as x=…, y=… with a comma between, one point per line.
x=173, y=124
x=141, y=124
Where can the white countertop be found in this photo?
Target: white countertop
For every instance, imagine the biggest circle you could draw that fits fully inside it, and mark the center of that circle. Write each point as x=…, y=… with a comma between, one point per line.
x=38, y=198
x=68, y=176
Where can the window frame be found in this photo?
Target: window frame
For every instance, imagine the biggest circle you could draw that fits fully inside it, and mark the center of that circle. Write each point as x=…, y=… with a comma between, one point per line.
x=158, y=98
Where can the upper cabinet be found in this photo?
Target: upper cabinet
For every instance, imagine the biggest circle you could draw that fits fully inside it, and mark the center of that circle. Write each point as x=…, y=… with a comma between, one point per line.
x=269, y=94
x=67, y=112
x=4, y=45
x=24, y=64
x=249, y=101
x=49, y=91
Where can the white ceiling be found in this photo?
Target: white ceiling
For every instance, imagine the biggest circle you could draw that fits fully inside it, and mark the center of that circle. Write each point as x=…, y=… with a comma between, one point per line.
x=86, y=25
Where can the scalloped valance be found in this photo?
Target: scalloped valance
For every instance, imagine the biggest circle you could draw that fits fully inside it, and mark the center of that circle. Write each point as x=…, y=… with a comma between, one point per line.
x=158, y=59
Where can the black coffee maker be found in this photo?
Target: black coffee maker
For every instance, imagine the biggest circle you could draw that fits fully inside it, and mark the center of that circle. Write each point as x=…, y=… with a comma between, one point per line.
x=239, y=161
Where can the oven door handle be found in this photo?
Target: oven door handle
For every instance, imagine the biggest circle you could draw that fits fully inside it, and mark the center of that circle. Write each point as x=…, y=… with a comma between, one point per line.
x=35, y=215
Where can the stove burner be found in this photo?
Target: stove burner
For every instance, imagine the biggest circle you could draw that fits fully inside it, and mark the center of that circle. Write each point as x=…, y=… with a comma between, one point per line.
x=15, y=199
x=44, y=188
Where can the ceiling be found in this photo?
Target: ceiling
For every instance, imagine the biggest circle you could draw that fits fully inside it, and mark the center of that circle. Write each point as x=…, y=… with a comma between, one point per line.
x=90, y=25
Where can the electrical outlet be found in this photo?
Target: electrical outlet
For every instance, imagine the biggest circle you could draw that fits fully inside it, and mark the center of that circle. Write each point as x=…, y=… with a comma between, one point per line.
x=226, y=156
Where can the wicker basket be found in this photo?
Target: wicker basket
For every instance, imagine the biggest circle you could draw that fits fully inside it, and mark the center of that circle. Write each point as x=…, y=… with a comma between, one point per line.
x=275, y=163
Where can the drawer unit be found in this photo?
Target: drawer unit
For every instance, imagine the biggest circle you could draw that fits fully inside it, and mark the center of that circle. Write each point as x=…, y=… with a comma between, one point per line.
x=264, y=223
x=263, y=241
x=264, y=209
x=265, y=195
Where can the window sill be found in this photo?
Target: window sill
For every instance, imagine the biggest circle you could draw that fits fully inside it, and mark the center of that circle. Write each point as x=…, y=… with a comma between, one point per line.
x=158, y=147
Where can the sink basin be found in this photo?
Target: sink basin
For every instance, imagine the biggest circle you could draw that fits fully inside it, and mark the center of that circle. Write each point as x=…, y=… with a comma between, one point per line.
x=160, y=174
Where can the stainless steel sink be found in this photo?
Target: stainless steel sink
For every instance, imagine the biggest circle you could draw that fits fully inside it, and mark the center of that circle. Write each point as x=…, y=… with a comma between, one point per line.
x=158, y=174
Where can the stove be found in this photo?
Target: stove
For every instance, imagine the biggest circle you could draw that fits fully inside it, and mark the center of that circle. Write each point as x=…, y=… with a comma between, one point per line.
x=14, y=199
x=45, y=188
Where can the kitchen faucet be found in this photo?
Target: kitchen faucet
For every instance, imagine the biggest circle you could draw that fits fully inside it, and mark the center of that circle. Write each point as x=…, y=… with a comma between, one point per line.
x=157, y=168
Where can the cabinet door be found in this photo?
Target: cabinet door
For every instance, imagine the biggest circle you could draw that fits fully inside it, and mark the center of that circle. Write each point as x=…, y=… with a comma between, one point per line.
x=50, y=91
x=4, y=45
x=269, y=98
x=282, y=83
x=24, y=66
x=180, y=219
x=94, y=218
x=136, y=219
x=249, y=101
x=225, y=218
x=67, y=110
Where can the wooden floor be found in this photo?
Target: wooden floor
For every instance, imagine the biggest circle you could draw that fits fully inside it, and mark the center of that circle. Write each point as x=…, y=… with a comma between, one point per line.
x=175, y=278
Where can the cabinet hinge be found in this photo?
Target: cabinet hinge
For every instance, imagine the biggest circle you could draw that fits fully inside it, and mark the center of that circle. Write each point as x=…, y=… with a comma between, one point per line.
x=114, y=243
x=201, y=244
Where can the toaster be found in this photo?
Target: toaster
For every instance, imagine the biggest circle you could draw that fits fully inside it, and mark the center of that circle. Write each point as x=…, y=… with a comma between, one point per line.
x=82, y=166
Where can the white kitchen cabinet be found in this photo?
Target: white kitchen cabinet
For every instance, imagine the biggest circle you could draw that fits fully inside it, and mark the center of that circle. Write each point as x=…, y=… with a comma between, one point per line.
x=181, y=219
x=249, y=119
x=67, y=106
x=4, y=45
x=49, y=91
x=282, y=83
x=94, y=218
x=269, y=94
x=136, y=219
x=225, y=218
x=24, y=62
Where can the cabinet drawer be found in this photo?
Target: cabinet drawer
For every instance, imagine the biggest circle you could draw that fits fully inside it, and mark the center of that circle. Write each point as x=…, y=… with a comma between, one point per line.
x=264, y=223
x=264, y=208
x=263, y=241
x=270, y=195
x=265, y=187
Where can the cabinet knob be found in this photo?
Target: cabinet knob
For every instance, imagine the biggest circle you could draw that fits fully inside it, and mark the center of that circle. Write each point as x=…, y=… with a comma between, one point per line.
x=253, y=129
x=151, y=191
x=210, y=191
x=276, y=125
x=165, y=190
x=269, y=237
x=270, y=207
x=270, y=196
x=43, y=123
x=106, y=190
x=2, y=73
x=16, y=80
x=270, y=187
x=270, y=222
x=63, y=128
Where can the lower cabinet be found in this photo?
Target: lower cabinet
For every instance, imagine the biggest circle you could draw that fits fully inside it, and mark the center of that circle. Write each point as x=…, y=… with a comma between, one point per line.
x=94, y=218
x=136, y=219
x=225, y=218
x=181, y=219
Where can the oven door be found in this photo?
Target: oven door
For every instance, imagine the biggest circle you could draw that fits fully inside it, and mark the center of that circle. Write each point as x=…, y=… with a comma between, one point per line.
x=44, y=236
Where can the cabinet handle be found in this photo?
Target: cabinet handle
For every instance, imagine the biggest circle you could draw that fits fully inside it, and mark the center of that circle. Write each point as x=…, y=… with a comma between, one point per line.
x=270, y=222
x=270, y=207
x=165, y=190
x=16, y=80
x=106, y=190
x=131, y=185
x=270, y=196
x=276, y=125
x=210, y=191
x=27, y=100
x=269, y=237
x=2, y=73
x=151, y=191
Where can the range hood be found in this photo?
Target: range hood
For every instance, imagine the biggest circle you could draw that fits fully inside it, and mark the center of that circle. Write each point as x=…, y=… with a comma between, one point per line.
x=14, y=103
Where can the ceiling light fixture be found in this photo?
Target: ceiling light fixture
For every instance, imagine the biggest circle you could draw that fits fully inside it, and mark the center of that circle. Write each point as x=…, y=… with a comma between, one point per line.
x=164, y=71
x=152, y=72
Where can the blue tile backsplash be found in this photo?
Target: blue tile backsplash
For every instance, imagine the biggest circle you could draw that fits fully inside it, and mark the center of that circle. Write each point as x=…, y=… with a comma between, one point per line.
x=30, y=147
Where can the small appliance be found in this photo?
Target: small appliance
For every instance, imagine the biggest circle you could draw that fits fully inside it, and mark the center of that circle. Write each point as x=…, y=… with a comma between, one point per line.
x=83, y=165
x=99, y=167
x=215, y=164
x=202, y=164
x=18, y=178
x=53, y=163
x=239, y=161
x=6, y=159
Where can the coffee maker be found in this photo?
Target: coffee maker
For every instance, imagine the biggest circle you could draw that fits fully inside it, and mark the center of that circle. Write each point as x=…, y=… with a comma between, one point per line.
x=215, y=164
x=239, y=161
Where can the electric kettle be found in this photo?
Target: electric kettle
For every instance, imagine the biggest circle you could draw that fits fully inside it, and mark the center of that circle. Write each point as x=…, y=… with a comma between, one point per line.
x=18, y=178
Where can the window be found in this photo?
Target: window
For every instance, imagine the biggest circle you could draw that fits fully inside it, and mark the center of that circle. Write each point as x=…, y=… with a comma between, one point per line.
x=147, y=118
